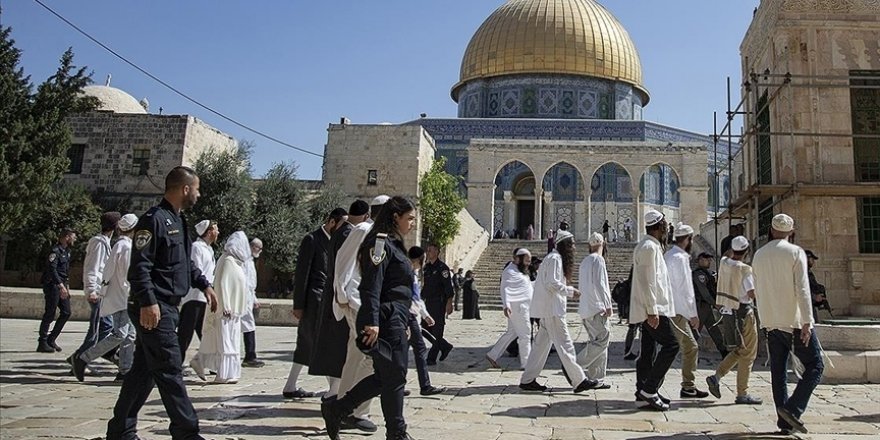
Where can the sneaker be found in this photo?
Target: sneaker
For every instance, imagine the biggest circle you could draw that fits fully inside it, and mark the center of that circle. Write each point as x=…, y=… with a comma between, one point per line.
x=492, y=362
x=299, y=393
x=332, y=419
x=196, y=365
x=364, y=425
x=532, y=386
x=653, y=402
x=586, y=384
x=252, y=363
x=431, y=390
x=714, y=386
x=692, y=393
x=748, y=400
x=788, y=417
x=663, y=398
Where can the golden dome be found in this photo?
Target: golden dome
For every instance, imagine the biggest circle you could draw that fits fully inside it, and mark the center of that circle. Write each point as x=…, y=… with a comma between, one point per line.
x=573, y=37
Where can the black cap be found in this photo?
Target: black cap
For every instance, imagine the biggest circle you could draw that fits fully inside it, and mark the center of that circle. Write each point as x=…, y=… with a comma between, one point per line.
x=810, y=254
x=705, y=255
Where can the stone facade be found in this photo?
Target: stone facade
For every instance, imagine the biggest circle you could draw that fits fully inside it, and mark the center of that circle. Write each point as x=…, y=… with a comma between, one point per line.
x=800, y=58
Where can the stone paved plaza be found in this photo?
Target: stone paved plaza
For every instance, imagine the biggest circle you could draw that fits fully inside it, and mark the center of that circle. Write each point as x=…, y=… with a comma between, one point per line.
x=40, y=399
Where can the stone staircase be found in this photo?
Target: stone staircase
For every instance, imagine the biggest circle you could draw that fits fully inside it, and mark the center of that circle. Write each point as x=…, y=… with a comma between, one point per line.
x=488, y=268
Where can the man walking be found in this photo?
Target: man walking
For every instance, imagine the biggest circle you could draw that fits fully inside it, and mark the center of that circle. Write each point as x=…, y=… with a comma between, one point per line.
x=160, y=274
x=192, y=313
x=678, y=262
x=248, y=321
x=595, y=309
x=651, y=305
x=56, y=291
x=704, y=289
x=437, y=294
x=783, y=296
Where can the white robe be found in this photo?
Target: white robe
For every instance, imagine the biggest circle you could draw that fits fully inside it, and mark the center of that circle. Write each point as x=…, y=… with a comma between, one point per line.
x=248, y=322
x=220, y=348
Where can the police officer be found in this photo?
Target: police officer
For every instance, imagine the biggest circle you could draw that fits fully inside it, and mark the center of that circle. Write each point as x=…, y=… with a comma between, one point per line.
x=161, y=274
x=386, y=290
x=56, y=291
x=437, y=291
x=704, y=289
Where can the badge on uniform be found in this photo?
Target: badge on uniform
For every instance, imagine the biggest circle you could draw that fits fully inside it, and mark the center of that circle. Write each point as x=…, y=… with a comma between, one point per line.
x=445, y=274
x=702, y=278
x=378, y=253
x=52, y=257
x=142, y=238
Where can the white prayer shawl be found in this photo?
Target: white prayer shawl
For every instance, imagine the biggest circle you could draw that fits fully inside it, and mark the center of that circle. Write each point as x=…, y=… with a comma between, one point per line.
x=551, y=289
x=202, y=256
x=115, y=289
x=516, y=287
x=97, y=253
x=681, y=281
x=593, y=284
x=248, y=323
x=346, y=274
x=650, y=284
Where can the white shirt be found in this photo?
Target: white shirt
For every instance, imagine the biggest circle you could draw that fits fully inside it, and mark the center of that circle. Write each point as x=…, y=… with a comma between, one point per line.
x=593, y=284
x=97, y=253
x=551, y=290
x=651, y=294
x=782, y=286
x=346, y=274
x=516, y=287
x=203, y=257
x=748, y=284
x=250, y=272
x=681, y=281
x=115, y=289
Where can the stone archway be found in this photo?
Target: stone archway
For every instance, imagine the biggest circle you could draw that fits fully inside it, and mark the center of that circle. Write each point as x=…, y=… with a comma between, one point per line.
x=564, y=198
x=514, y=197
x=612, y=200
x=658, y=189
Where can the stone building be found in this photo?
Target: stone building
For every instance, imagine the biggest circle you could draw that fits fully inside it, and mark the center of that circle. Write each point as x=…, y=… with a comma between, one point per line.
x=811, y=75
x=122, y=152
x=549, y=129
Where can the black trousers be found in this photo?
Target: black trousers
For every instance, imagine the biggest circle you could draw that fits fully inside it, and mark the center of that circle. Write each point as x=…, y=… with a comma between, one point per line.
x=704, y=311
x=250, y=345
x=52, y=295
x=156, y=362
x=389, y=374
x=192, y=315
x=420, y=351
x=437, y=310
x=652, y=365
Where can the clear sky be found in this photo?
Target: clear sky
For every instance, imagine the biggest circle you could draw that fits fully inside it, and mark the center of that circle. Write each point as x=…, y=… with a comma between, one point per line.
x=290, y=67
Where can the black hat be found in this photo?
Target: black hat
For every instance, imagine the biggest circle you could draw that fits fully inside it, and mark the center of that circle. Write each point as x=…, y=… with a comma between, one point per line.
x=359, y=207
x=705, y=255
x=810, y=254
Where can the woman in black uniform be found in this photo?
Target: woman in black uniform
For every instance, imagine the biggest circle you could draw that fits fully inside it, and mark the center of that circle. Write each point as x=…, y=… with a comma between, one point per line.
x=386, y=295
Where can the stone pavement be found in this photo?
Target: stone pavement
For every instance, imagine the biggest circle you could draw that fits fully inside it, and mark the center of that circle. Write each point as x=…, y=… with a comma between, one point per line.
x=40, y=399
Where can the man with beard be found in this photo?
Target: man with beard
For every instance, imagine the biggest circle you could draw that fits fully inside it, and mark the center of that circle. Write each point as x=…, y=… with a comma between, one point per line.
x=678, y=262
x=161, y=273
x=437, y=293
x=516, y=296
x=651, y=305
x=309, y=279
x=248, y=320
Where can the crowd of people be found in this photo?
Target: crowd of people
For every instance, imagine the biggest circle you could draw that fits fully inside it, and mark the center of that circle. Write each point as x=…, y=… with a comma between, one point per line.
x=362, y=298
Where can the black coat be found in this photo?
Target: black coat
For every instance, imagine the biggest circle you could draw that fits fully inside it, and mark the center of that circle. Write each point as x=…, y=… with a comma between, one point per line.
x=308, y=287
x=331, y=342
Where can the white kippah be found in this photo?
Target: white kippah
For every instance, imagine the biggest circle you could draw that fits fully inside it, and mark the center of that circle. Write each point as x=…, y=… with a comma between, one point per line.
x=652, y=217
x=596, y=239
x=202, y=226
x=380, y=200
x=682, y=230
x=739, y=244
x=522, y=251
x=783, y=223
x=127, y=222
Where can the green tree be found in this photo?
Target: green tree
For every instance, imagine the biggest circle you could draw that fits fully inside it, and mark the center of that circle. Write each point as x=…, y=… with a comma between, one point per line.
x=227, y=189
x=439, y=203
x=328, y=199
x=34, y=134
x=279, y=220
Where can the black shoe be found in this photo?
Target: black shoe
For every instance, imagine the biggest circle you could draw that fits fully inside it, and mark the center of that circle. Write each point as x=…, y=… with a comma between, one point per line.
x=587, y=384
x=714, y=386
x=298, y=394
x=54, y=345
x=444, y=352
x=406, y=393
x=532, y=386
x=631, y=357
x=69, y=360
x=692, y=393
x=79, y=368
x=252, y=363
x=43, y=347
x=431, y=390
x=119, y=377
x=663, y=398
x=399, y=436
x=364, y=425
x=332, y=419
x=602, y=386
x=653, y=402
x=431, y=362
x=796, y=424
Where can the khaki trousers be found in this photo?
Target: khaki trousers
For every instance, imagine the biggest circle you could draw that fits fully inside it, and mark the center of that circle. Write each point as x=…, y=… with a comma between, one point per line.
x=743, y=357
x=688, y=348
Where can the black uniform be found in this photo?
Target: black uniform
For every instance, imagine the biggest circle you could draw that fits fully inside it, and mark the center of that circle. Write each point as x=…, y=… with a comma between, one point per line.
x=436, y=292
x=54, y=275
x=705, y=289
x=161, y=273
x=817, y=289
x=386, y=295
x=309, y=281
x=331, y=339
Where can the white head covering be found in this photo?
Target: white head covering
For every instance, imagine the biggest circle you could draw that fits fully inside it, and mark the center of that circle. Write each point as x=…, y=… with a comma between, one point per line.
x=652, y=217
x=596, y=239
x=238, y=246
x=522, y=251
x=783, y=223
x=682, y=230
x=127, y=222
x=563, y=235
x=380, y=200
x=739, y=244
x=202, y=227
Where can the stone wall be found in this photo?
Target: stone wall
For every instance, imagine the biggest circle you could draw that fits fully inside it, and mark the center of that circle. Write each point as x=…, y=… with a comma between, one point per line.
x=468, y=245
x=201, y=137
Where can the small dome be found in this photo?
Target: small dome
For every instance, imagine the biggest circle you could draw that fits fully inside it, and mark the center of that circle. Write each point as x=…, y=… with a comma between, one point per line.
x=114, y=100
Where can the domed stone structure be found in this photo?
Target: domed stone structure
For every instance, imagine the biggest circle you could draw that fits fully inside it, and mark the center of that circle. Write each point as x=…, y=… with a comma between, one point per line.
x=568, y=59
x=114, y=100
